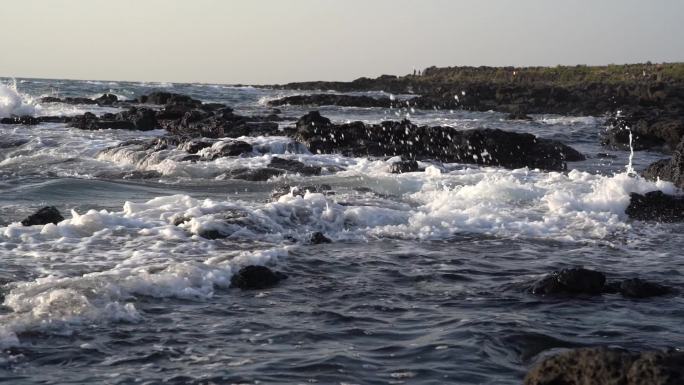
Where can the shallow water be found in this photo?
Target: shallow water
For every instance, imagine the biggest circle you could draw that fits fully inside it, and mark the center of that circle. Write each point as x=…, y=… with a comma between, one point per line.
x=423, y=284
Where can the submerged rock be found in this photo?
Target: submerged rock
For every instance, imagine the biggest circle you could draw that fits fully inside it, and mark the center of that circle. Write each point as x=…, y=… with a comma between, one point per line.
x=294, y=166
x=229, y=148
x=280, y=191
x=404, y=166
x=479, y=146
x=25, y=120
x=604, y=366
x=317, y=238
x=254, y=174
x=638, y=288
x=48, y=214
x=656, y=206
x=256, y=278
x=581, y=281
x=571, y=281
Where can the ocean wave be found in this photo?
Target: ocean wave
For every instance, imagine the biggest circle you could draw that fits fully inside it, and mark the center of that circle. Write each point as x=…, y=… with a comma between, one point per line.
x=12, y=102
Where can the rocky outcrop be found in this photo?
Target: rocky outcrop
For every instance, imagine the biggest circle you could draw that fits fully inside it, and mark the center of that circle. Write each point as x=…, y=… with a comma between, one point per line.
x=671, y=170
x=478, y=146
x=27, y=120
x=650, y=128
x=104, y=100
x=256, y=278
x=656, y=206
x=318, y=238
x=581, y=281
x=334, y=100
x=403, y=166
x=589, y=366
x=294, y=166
x=46, y=215
x=135, y=118
x=571, y=281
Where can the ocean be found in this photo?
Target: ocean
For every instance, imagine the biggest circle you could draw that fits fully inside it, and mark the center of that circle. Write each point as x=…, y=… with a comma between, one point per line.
x=424, y=281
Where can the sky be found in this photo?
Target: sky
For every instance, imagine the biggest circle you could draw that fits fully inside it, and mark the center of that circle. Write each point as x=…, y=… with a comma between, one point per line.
x=279, y=41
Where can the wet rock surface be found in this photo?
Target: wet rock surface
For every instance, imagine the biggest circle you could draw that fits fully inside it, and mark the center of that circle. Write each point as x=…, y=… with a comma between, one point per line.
x=334, y=100
x=404, y=166
x=318, y=238
x=478, y=146
x=581, y=281
x=656, y=206
x=671, y=170
x=256, y=278
x=610, y=367
x=45, y=215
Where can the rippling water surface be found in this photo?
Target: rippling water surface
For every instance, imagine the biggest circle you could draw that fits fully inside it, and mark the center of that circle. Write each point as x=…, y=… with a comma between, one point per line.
x=423, y=284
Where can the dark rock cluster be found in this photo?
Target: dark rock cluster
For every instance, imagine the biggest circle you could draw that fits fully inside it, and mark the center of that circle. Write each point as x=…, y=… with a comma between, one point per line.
x=605, y=366
x=581, y=281
x=45, y=215
x=477, y=146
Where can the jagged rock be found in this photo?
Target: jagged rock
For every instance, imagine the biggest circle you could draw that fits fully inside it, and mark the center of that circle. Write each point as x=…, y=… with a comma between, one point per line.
x=650, y=128
x=46, y=215
x=317, y=238
x=294, y=166
x=107, y=99
x=162, y=98
x=256, y=278
x=638, y=288
x=25, y=120
x=656, y=206
x=229, y=148
x=603, y=366
x=571, y=281
x=143, y=119
x=90, y=121
x=254, y=174
x=194, y=146
x=334, y=100
x=479, y=146
x=404, y=166
x=669, y=169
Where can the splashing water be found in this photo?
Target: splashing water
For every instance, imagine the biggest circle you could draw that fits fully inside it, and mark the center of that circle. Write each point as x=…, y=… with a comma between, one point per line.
x=630, y=167
x=14, y=103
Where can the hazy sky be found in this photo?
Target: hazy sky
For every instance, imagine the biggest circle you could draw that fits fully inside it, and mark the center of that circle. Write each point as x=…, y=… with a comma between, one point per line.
x=276, y=41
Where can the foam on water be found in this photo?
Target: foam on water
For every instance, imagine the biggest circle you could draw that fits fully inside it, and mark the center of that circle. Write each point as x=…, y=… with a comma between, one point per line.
x=13, y=103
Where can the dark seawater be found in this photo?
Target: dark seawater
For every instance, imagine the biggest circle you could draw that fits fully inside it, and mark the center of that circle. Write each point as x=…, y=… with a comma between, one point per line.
x=424, y=282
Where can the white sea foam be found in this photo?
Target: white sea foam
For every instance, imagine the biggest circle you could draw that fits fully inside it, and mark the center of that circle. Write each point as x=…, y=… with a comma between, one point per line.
x=14, y=103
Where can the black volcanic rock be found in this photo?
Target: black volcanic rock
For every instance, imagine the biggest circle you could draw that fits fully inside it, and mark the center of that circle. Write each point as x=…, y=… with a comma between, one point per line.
x=107, y=99
x=669, y=169
x=46, y=215
x=656, y=206
x=256, y=278
x=479, y=146
x=25, y=120
x=334, y=100
x=638, y=288
x=143, y=119
x=318, y=238
x=294, y=166
x=404, y=166
x=571, y=281
x=254, y=174
x=604, y=366
x=228, y=148
x=167, y=98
